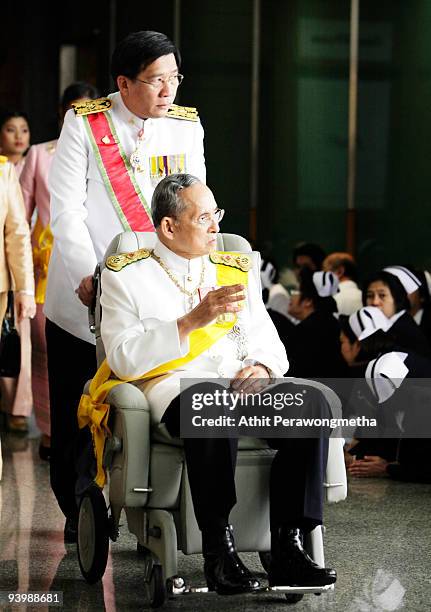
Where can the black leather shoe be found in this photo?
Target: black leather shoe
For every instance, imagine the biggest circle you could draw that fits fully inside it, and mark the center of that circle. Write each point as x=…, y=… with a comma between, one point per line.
x=70, y=531
x=225, y=573
x=292, y=566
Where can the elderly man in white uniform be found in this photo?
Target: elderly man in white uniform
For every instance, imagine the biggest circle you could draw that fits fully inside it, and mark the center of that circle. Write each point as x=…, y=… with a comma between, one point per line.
x=111, y=154
x=158, y=308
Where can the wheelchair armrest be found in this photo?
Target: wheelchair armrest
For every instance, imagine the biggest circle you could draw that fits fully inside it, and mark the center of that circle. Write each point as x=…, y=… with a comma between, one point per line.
x=129, y=473
x=335, y=477
x=331, y=397
x=128, y=397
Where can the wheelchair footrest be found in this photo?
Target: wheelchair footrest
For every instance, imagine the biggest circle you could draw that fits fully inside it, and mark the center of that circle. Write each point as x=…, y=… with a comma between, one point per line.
x=184, y=590
x=298, y=589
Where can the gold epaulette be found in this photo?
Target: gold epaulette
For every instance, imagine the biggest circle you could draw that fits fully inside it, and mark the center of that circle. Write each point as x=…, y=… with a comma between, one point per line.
x=238, y=260
x=189, y=113
x=92, y=106
x=3, y=159
x=51, y=146
x=120, y=261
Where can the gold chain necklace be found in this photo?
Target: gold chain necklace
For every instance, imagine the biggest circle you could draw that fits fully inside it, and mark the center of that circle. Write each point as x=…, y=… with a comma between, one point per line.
x=190, y=294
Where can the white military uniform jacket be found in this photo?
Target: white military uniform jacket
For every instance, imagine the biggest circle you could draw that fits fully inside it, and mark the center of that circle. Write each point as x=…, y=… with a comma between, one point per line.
x=141, y=305
x=83, y=218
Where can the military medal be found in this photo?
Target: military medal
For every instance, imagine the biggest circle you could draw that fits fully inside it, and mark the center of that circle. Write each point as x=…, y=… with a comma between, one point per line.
x=164, y=165
x=136, y=161
x=137, y=158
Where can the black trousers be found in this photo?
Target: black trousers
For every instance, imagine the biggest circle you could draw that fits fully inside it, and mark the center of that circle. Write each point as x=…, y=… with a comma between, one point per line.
x=71, y=362
x=296, y=480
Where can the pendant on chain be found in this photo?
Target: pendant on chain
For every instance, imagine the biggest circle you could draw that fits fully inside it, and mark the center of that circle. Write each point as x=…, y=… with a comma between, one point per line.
x=136, y=161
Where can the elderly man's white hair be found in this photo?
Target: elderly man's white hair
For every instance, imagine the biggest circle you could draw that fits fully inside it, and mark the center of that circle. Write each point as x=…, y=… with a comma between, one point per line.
x=166, y=200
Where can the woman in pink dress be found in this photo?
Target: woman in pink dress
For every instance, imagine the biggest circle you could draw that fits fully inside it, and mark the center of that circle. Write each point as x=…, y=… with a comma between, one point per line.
x=34, y=185
x=16, y=395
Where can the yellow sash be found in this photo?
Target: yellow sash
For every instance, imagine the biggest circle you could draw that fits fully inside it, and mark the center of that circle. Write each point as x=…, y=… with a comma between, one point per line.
x=41, y=254
x=92, y=409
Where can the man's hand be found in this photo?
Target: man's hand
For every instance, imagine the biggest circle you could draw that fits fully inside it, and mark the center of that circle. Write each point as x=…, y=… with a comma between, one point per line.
x=216, y=302
x=25, y=306
x=251, y=379
x=369, y=467
x=85, y=291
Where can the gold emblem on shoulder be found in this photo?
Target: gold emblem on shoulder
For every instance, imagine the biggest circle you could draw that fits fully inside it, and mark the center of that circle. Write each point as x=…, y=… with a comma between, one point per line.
x=120, y=261
x=92, y=106
x=51, y=146
x=188, y=113
x=233, y=260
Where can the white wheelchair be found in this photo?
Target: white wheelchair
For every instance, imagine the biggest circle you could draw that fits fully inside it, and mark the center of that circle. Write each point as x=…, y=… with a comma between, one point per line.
x=148, y=479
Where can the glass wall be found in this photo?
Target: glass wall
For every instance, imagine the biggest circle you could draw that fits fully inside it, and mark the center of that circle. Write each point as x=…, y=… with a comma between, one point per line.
x=216, y=39
x=393, y=192
x=303, y=127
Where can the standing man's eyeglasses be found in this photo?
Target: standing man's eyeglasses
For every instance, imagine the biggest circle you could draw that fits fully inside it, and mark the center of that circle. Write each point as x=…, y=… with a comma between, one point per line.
x=158, y=82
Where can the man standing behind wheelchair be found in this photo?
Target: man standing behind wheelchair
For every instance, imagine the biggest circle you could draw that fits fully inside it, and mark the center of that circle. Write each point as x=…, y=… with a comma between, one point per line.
x=158, y=307
x=111, y=154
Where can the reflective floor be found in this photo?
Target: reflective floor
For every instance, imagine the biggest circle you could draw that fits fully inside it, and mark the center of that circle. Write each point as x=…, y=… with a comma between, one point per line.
x=379, y=540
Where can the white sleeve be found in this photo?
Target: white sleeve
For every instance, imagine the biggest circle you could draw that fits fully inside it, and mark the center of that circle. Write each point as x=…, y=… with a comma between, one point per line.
x=265, y=345
x=68, y=188
x=196, y=165
x=133, y=345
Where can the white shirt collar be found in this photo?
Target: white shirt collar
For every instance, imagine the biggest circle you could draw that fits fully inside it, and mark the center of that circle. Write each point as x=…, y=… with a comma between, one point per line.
x=178, y=264
x=135, y=122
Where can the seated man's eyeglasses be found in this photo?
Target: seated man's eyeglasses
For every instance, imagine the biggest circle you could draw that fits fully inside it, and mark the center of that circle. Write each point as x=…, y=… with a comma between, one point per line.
x=157, y=83
x=207, y=218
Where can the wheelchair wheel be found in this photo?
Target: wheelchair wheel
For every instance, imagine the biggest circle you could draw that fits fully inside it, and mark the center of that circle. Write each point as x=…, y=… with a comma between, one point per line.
x=156, y=587
x=293, y=598
x=265, y=559
x=93, y=535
